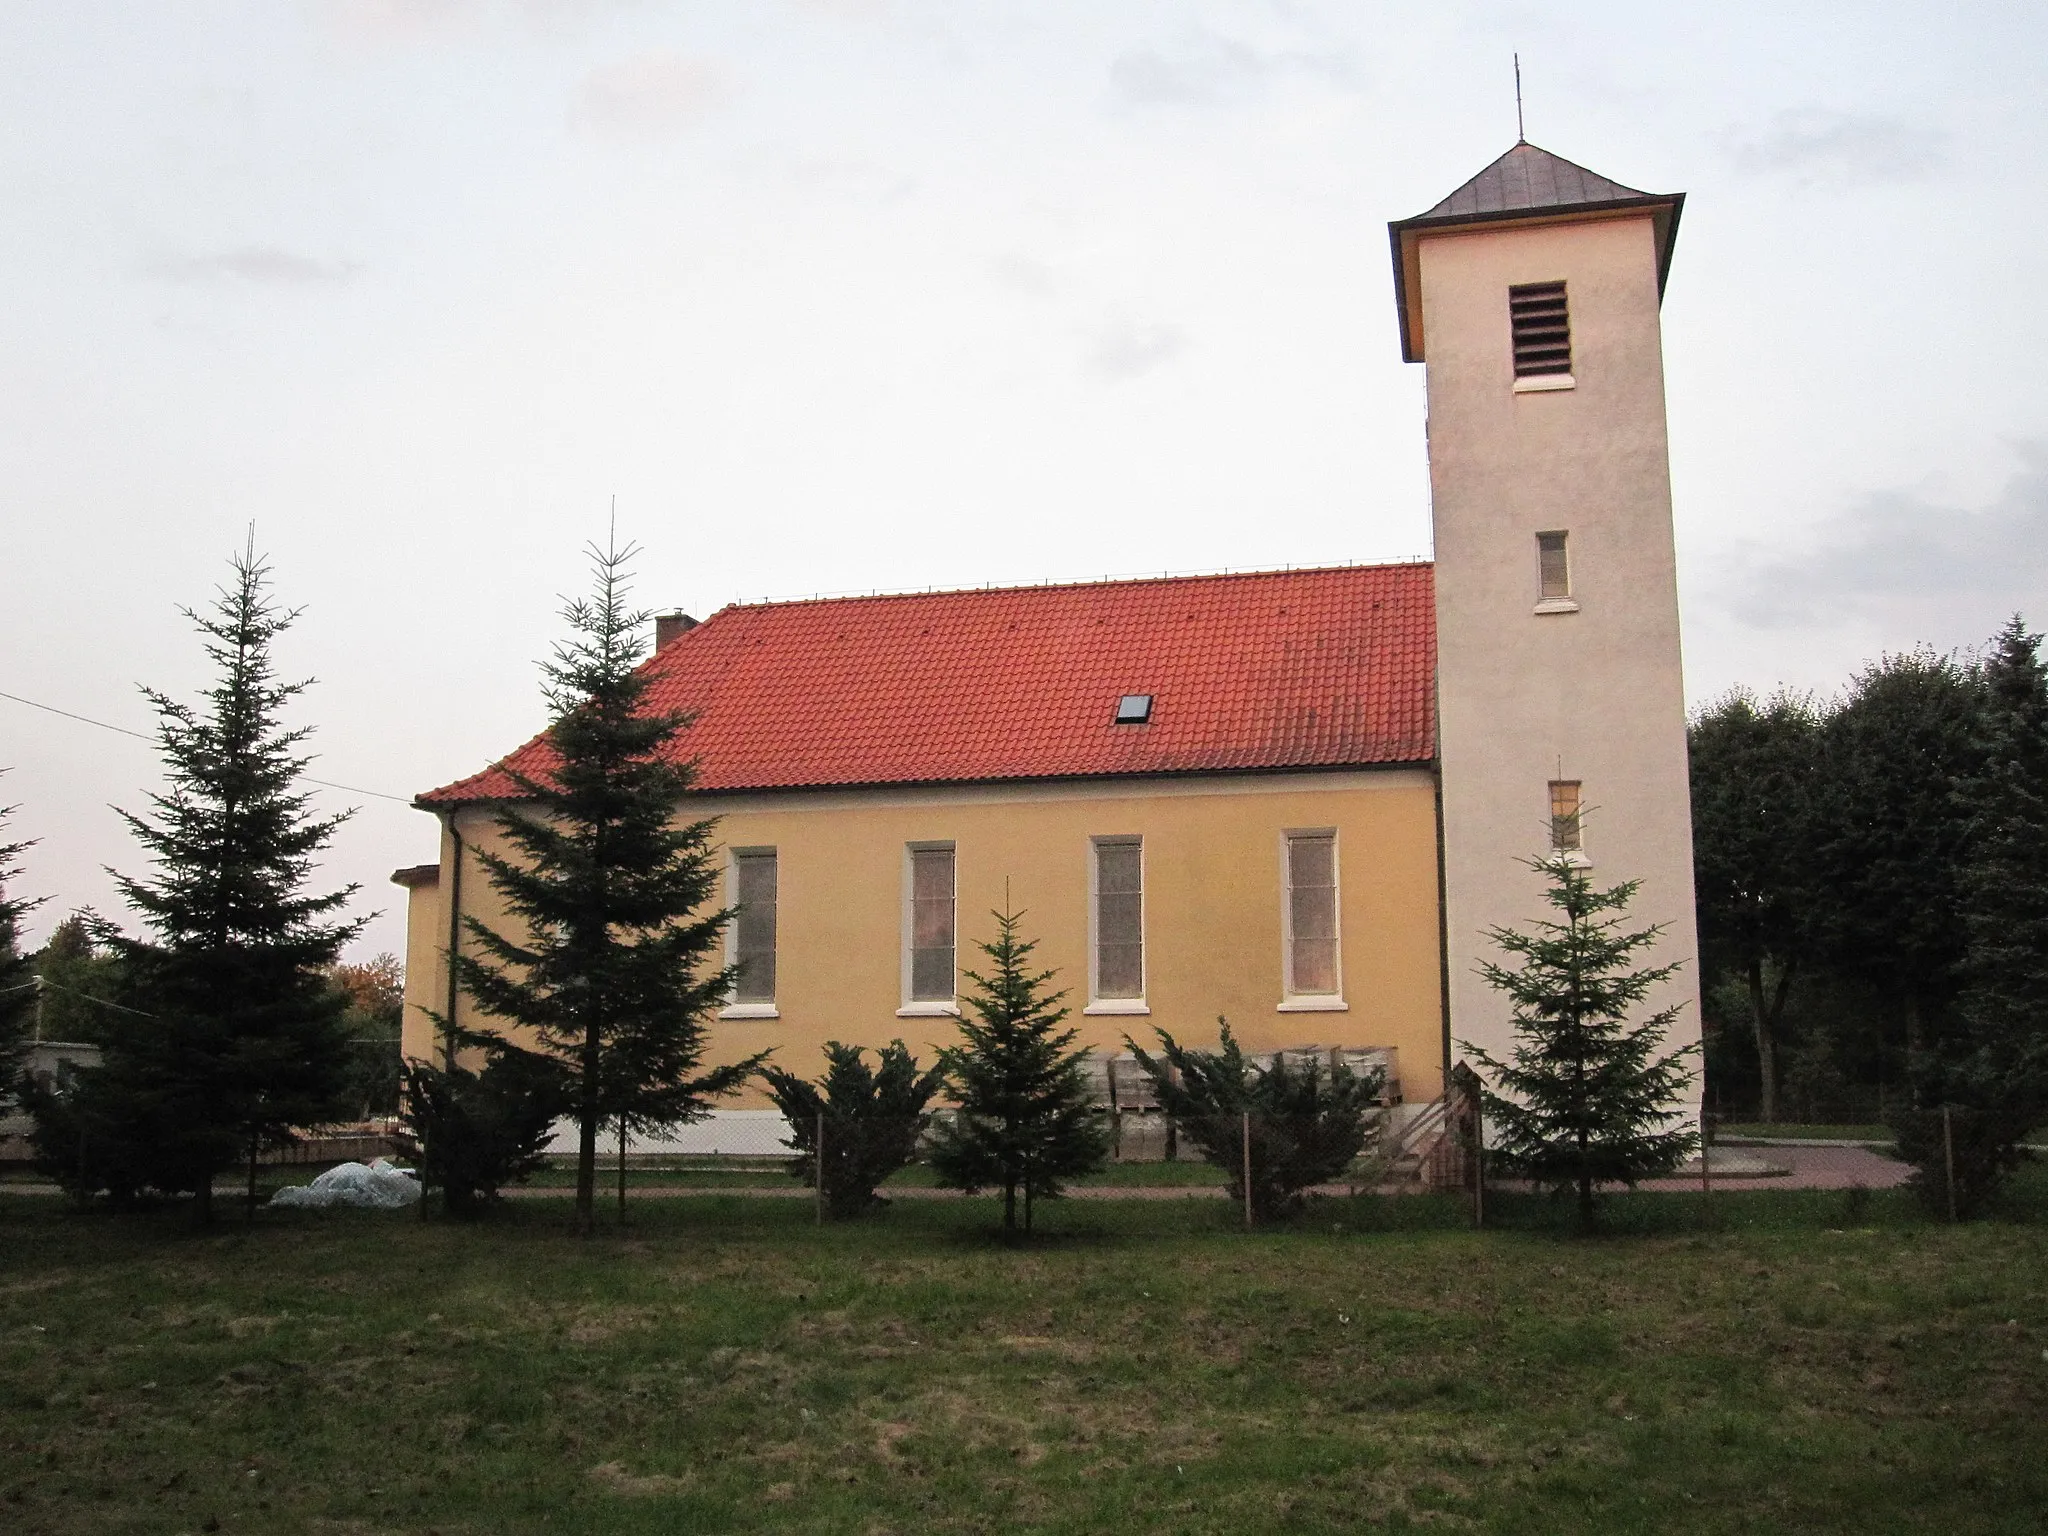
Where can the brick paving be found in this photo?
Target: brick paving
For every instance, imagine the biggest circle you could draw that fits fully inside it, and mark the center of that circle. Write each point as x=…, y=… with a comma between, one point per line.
x=1814, y=1166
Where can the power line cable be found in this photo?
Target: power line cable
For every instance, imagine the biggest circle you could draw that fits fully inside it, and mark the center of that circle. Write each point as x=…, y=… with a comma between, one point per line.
x=122, y=730
x=42, y=985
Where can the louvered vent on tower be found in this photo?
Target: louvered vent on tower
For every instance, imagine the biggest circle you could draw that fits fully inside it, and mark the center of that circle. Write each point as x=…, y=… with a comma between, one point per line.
x=1543, y=329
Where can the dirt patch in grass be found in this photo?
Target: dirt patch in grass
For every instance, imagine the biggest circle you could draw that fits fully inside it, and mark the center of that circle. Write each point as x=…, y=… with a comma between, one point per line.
x=613, y=1477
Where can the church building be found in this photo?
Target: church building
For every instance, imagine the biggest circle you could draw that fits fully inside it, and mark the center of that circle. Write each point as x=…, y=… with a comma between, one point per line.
x=1296, y=799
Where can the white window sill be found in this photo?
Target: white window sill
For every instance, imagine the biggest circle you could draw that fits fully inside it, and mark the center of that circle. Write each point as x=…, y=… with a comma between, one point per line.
x=1576, y=857
x=1558, y=605
x=1314, y=1005
x=929, y=1011
x=750, y=1011
x=1541, y=383
x=1118, y=1005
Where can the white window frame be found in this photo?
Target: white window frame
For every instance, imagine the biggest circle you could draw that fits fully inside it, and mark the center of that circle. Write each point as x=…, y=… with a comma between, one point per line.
x=1563, y=602
x=1098, y=1004
x=927, y=1008
x=1292, y=1001
x=734, y=1008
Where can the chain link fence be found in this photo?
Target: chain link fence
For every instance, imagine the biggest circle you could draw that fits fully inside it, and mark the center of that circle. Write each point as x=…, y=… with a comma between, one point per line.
x=1241, y=1161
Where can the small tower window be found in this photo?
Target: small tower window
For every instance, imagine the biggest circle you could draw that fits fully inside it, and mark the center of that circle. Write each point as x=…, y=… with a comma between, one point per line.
x=1543, y=329
x=1134, y=709
x=1553, y=568
x=1564, y=815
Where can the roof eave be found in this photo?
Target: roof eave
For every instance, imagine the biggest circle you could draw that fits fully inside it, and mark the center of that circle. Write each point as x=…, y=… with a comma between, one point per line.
x=834, y=786
x=1404, y=235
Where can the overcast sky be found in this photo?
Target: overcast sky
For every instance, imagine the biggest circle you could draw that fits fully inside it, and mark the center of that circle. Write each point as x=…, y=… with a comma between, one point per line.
x=857, y=294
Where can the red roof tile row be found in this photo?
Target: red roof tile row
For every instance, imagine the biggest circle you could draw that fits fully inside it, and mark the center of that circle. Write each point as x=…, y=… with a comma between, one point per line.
x=1288, y=669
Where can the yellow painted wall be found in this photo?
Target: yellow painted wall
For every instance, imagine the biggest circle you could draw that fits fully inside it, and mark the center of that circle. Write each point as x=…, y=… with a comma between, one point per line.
x=1213, y=923
x=426, y=969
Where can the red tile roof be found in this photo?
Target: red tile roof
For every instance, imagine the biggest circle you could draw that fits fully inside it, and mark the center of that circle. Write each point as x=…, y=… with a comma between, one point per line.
x=1285, y=669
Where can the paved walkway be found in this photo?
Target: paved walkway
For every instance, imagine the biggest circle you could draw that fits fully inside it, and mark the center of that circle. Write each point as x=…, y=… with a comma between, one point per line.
x=1807, y=1166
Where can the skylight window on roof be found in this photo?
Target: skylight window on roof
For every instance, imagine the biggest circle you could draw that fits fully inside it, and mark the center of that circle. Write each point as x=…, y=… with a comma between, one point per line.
x=1134, y=709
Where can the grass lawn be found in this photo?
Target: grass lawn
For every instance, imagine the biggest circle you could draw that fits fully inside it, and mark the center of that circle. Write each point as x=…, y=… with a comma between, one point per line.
x=1807, y=1365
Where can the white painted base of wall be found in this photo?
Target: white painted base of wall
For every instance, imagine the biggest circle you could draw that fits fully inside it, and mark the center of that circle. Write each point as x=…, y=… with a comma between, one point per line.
x=725, y=1133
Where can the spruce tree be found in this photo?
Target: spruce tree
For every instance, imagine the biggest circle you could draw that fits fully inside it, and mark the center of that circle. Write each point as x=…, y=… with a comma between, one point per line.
x=1308, y=1119
x=1584, y=1098
x=228, y=1036
x=1989, y=1065
x=476, y=1131
x=614, y=968
x=873, y=1119
x=18, y=977
x=1024, y=1122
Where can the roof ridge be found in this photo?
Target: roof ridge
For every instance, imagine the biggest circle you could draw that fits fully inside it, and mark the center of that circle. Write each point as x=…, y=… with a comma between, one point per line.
x=1073, y=583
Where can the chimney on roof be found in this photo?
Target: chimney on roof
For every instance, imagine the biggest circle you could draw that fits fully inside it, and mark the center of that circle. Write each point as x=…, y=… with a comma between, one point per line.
x=670, y=626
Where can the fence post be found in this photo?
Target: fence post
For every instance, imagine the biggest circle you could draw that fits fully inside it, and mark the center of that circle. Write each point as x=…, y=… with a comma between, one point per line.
x=818, y=1167
x=1706, y=1172
x=1247, y=1170
x=1478, y=1162
x=1116, y=1119
x=1948, y=1158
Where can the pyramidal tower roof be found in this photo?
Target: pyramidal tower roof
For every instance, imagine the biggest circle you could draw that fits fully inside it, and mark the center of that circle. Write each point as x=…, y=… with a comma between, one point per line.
x=1528, y=184
x=1527, y=178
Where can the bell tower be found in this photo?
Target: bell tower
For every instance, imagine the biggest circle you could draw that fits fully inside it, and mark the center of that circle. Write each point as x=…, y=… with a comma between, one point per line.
x=1531, y=294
